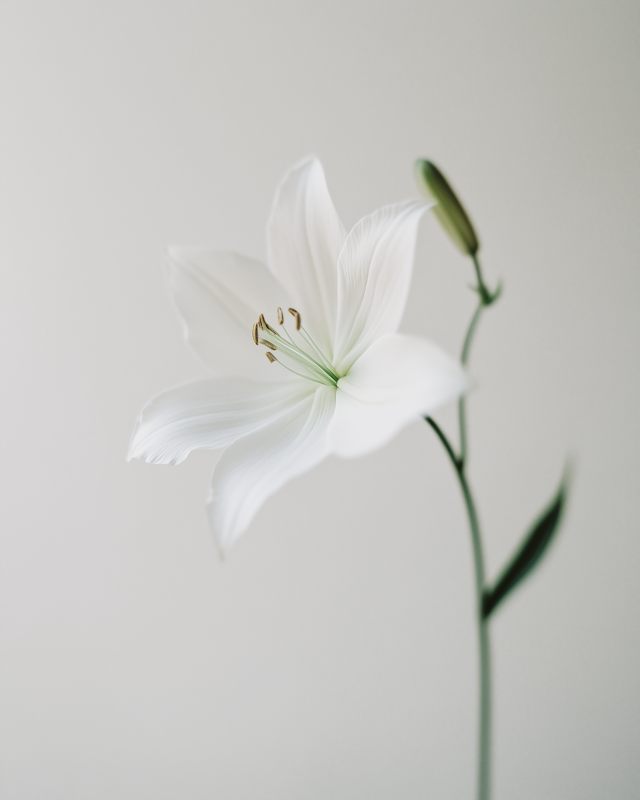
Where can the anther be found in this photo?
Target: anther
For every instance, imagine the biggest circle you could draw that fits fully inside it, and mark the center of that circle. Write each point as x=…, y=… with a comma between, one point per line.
x=271, y=357
x=267, y=344
x=262, y=324
x=297, y=318
x=280, y=316
x=254, y=333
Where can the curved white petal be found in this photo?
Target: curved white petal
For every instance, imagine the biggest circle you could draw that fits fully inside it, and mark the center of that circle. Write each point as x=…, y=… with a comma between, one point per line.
x=220, y=296
x=398, y=379
x=259, y=463
x=209, y=415
x=374, y=273
x=304, y=239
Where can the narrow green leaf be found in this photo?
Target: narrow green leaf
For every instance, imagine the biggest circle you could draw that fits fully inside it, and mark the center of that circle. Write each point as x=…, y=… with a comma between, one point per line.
x=530, y=552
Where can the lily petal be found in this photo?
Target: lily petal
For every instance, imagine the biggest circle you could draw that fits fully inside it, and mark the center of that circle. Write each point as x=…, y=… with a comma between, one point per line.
x=220, y=296
x=374, y=273
x=399, y=379
x=304, y=239
x=259, y=463
x=209, y=415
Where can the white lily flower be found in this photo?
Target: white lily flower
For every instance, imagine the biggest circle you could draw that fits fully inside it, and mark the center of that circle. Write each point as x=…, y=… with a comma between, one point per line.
x=337, y=378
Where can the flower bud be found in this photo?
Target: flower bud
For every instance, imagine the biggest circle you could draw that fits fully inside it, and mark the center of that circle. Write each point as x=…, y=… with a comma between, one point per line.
x=448, y=210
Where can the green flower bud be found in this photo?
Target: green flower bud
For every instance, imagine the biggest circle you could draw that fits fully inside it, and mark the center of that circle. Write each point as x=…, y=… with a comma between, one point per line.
x=449, y=210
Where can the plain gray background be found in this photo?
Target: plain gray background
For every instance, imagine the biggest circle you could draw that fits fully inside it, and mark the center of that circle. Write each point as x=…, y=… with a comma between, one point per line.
x=333, y=655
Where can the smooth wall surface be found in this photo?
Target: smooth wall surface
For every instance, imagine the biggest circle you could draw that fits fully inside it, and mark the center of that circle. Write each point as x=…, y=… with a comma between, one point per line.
x=332, y=656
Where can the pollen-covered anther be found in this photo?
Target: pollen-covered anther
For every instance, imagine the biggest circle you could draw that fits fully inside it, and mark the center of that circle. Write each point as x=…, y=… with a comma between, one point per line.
x=314, y=364
x=296, y=315
x=262, y=324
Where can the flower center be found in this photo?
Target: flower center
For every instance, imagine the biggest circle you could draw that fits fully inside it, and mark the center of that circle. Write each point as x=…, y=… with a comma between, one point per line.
x=302, y=351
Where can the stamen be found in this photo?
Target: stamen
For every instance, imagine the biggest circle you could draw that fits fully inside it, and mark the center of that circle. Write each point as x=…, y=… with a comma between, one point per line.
x=299, y=374
x=297, y=318
x=308, y=360
x=288, y=335
x=317, y=367
x=262, y=322
x=311, y=343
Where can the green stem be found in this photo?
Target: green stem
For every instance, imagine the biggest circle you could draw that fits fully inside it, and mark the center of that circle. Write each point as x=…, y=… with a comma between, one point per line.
x=478, y=269
x=485, y=295
x=462, y=420
x=466, y=347
x=484, y=732
x=459, y=463
x=486, y=298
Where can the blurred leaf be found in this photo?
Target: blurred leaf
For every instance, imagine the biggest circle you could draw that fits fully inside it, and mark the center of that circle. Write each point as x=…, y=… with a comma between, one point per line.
x=533, y=547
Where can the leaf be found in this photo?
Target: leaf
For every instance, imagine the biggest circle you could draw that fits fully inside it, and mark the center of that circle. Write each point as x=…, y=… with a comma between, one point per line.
x=533, y=547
